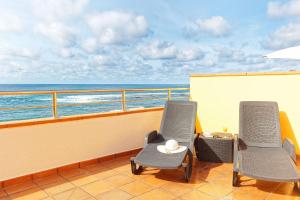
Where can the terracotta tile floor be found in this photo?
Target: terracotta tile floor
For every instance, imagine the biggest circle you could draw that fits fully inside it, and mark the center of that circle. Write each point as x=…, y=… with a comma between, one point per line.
x=113, y=180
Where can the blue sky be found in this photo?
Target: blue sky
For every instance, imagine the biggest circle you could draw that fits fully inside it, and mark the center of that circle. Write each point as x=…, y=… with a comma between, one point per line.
x=139, y=41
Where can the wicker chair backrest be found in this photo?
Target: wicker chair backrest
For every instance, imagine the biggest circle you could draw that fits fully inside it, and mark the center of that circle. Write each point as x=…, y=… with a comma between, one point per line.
x=259, y=124
x=178, y=120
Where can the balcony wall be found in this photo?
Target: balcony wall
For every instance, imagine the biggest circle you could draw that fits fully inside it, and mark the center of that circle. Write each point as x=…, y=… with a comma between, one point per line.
x=37, y=147
x=218, y=98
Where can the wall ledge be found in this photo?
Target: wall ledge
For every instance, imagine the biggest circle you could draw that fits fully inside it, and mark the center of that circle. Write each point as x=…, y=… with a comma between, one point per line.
x=247, y=74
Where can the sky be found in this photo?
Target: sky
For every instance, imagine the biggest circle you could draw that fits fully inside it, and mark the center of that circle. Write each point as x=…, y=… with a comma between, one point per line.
x=139, y=41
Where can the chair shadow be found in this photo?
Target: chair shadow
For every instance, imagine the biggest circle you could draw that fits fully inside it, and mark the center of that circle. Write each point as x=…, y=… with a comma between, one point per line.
x=200, y=173
x=278, y=188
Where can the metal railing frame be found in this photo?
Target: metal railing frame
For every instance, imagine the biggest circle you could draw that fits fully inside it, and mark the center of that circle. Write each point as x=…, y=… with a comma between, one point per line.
x=55, y=93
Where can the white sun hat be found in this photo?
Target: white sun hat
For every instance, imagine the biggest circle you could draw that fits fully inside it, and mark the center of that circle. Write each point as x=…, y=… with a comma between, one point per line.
x=171, y=146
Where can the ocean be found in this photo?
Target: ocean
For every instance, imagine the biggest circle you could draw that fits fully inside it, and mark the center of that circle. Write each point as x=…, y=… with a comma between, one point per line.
x=68, y=104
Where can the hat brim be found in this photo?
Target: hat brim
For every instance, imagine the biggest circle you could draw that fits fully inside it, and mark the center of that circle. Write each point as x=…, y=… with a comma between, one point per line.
x=162, y=149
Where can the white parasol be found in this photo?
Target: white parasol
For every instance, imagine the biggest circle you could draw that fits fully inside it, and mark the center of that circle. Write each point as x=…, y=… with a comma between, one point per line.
x=288, y=53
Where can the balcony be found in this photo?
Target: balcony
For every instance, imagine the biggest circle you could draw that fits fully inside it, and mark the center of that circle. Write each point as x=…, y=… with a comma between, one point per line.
x=87, y=156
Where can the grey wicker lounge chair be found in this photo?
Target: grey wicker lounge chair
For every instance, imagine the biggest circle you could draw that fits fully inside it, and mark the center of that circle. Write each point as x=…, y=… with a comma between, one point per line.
x=259, y=152
x=178, y=122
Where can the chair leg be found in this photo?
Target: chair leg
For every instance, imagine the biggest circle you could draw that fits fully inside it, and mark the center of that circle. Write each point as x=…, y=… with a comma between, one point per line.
x=190, y=164
x=188, y=167
x=235, y=179
x=186, y=174
x=297, y=185
x=135, y=170
x=133, y=166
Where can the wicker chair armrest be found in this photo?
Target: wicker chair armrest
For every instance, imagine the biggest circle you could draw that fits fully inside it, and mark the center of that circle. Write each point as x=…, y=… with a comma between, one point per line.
x=235, y=153
x=290, y=148
x=150, y=137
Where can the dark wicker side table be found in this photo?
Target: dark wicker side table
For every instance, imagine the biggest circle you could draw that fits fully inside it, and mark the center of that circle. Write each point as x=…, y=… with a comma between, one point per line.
x=214, y=149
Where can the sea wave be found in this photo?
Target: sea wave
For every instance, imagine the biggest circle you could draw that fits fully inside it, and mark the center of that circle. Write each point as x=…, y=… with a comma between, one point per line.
x=84, y=98
x=155, y=93
x=104, y=97
x=16, y=96
x=136, y=108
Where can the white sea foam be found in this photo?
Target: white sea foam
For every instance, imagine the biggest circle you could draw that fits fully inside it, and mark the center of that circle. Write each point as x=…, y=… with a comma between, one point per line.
x=104, y=97
x=15, y=96
x=117, y=110
x=45, y=99
x=146, y=93
x=154, y=93
x=84, y=98
x=7, y=96
x=87, y=98
x=137, y=108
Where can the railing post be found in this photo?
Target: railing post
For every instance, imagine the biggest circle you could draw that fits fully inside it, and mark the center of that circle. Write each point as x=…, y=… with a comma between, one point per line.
x=169, y=94
x=124, y=100
x=54, y=105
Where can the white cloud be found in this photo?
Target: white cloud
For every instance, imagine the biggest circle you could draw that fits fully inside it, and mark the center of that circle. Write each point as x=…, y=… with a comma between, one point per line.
x=158, y=50
x=238, y=55
x=8, y=52
x=279, y=9
x=58, y=9
x=66, y=53
x=72, y=52
x=254, y=59
x=215, y=26
x=57, y=32
x=190, y=54
x=285, y=36
x=104, y=60
x=10, y=22
x=228, y=54
x=113, y=27
x=210, y=61
x=90, y=45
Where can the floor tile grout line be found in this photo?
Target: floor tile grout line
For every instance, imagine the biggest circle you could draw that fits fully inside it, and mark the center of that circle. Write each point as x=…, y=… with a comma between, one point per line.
x=51, y=195
x=152, y=188
x=80, y=185
x=271, y=192
x=41, y=187
x=179, y=195
x=5, y=192
x=132, y=196
x=169, y=192
x=209, y=194
x=31, y=181
x=48, y=195
x=73, y=190
x=70, y=194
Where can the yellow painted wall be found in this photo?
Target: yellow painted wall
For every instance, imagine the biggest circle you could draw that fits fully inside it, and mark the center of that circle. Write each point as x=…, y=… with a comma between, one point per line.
x=218, y=100
x=29, y=149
